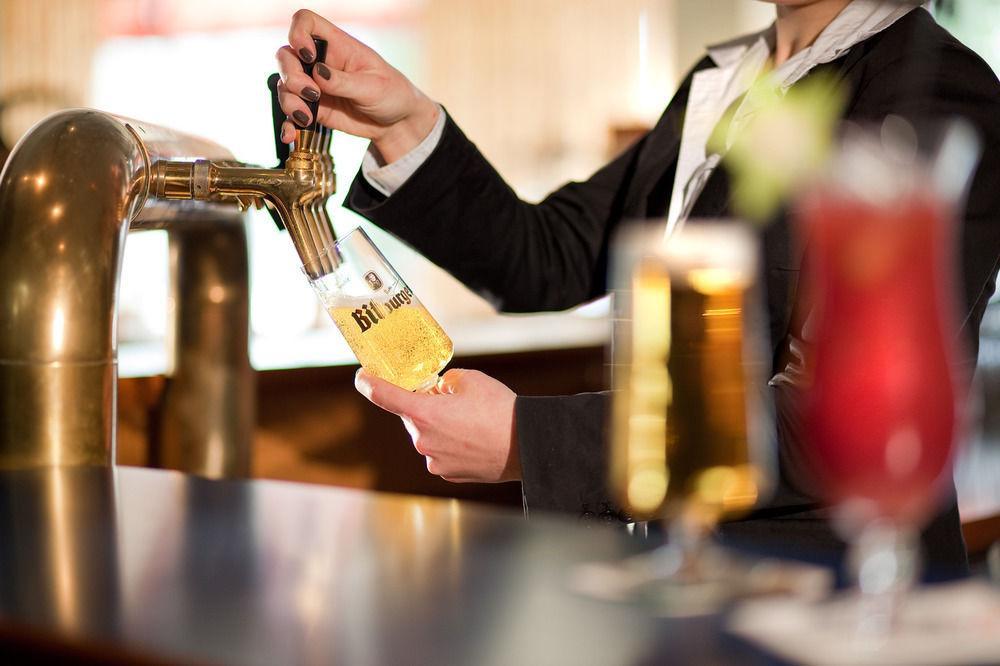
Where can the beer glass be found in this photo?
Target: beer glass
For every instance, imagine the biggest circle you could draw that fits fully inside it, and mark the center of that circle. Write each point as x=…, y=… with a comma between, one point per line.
x=690, y=430
x=688, y=371
x=384, y=323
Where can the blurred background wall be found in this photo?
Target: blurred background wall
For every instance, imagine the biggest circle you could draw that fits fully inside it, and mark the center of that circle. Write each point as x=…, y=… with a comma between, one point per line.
x=46, y=58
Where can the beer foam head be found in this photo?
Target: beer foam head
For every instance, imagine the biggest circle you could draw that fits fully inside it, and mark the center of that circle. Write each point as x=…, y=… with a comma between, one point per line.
x=710, y=255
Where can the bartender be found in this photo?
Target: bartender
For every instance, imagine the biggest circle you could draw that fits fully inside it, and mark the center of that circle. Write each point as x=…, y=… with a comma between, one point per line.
x=425, y=182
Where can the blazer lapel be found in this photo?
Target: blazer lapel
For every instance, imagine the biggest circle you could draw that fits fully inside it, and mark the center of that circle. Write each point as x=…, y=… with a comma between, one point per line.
x=781, y=249
x=661, y=150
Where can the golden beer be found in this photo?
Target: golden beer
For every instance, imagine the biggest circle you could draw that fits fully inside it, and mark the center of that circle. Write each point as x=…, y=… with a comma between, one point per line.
x=403, y=345
x=681, y=434
x=390, y=331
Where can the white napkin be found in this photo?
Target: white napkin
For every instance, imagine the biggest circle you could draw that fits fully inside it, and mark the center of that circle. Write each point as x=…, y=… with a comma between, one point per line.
x=957, y=623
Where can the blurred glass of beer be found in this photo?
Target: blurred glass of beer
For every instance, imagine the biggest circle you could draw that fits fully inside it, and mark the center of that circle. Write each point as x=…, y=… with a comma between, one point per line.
x=690, y=432
x=384, y=323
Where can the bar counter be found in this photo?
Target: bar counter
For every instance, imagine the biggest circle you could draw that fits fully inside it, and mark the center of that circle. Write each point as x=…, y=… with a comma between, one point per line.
x=140, y=565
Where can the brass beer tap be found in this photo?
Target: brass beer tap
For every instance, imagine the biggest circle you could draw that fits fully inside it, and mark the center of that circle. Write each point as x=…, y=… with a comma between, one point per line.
x=70, y=192
x=296, y=191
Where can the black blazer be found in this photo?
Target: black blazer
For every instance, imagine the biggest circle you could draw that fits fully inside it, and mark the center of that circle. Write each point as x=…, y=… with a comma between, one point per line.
x=457, y=210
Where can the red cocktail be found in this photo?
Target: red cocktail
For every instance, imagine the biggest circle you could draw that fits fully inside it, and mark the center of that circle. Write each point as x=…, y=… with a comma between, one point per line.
x=885, y=383
x=882, y=413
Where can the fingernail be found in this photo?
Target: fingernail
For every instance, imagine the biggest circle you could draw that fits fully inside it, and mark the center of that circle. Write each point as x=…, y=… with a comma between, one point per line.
x=306, y=55
x=301, y=118
x=310, y=94
x=323, y=70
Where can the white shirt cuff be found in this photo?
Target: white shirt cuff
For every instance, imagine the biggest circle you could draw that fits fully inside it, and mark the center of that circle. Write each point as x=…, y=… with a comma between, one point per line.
x=389, y=178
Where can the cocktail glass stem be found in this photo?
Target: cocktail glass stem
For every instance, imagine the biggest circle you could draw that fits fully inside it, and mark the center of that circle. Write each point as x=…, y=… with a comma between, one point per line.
x=885, y=562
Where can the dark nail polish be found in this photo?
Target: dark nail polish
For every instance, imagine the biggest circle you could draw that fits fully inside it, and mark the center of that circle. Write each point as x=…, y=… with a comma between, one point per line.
x=301, y=118
x=306, y=55
x=310, y=94
x=323, y=70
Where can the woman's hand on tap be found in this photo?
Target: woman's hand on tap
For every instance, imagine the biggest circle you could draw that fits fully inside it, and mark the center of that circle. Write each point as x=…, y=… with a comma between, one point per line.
x=464, y=429
x=359, y=92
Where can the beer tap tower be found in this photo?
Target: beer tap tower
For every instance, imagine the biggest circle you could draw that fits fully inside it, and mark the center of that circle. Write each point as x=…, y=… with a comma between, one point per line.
x=70, y=191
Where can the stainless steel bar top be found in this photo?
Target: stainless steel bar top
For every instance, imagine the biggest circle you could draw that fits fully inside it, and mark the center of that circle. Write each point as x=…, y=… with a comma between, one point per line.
x=128, y=564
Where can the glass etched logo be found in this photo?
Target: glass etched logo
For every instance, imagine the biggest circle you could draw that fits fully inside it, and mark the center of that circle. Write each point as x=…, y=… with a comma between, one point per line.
x=373, y=280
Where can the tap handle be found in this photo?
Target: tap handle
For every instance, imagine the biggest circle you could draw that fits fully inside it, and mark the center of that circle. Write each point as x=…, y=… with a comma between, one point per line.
x=308, y=68
x=280, y=147
x=277, y=119
x=278, y=116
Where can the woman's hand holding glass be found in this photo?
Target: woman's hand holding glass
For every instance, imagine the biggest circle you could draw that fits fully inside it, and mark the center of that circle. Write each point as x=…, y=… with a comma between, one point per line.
x=464, y=427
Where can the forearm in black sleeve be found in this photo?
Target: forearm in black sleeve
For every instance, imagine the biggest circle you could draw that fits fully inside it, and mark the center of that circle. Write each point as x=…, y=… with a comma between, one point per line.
x=564, y=455
x=457, y=211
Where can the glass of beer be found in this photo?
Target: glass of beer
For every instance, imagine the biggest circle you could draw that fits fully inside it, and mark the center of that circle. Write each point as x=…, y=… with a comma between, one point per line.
x=386, y=326
x=689, y=435
x=691, y=431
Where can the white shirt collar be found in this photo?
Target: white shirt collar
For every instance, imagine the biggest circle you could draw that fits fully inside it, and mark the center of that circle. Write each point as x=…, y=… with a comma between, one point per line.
x=739, y=62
